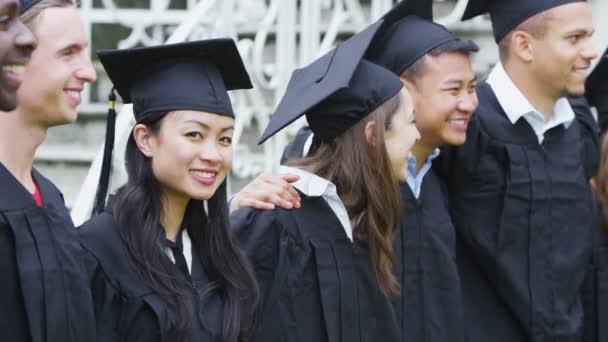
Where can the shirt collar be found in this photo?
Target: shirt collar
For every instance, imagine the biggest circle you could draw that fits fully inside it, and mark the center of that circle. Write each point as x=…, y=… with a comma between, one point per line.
x=515, y=104
x=309, y=184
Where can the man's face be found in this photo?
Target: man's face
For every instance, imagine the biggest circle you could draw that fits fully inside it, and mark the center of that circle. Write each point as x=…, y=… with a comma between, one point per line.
x=562, y=57
x=58, y=70
x=16, y=45
x=445, y=98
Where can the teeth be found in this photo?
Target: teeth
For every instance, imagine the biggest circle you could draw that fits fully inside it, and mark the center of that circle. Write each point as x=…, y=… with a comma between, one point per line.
x=73, y=93
x=458, y=121
x=17, y=69
x=204, y=174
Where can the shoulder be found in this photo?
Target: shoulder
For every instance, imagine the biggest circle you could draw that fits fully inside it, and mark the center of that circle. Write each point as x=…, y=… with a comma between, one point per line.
x=252, y=226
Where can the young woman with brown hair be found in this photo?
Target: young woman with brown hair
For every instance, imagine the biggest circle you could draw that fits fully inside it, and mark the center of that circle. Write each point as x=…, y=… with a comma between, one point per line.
x=326, y=269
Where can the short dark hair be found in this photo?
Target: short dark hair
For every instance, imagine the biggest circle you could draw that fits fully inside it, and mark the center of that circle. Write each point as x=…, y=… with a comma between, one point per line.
x=536, y=26
x=416, y=70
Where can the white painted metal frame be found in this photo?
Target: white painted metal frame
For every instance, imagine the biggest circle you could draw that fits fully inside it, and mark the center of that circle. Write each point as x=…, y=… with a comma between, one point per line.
x=274, y=37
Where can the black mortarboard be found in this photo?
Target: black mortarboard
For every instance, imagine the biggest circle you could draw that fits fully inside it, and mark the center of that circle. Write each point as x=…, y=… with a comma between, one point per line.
x=596, y=86
x=407, y=35
x=506, y=15
x=25, y=5
x=186, y=76
x=336, y=91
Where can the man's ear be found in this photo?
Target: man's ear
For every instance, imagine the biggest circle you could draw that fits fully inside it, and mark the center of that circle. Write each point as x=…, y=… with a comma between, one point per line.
x=522, y=46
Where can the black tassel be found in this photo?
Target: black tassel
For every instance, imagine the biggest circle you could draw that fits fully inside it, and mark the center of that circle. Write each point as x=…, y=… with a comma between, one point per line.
x=106, y=166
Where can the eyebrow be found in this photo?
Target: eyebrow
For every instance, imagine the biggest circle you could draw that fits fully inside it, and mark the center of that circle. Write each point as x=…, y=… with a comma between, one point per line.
x=454, y=81
x=205, y=126
x=580, y=31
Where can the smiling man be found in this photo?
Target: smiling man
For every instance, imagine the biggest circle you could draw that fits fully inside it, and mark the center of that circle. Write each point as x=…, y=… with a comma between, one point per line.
x=16, y=45
x=44, y=293
x=519, y=188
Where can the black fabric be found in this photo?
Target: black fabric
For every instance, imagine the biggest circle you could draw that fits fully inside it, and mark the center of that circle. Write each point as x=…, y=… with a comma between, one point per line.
x=185, y=76
x=55, y=292
x=26, y=5
x=335, y=91
x=596, y=90
x=326, y=286
x=177, y=249
x=294, y=149
x=129, y=310
x=506, y=15
x=430, y=307
x=523, y=214
x=406, y=41
x=13, y=319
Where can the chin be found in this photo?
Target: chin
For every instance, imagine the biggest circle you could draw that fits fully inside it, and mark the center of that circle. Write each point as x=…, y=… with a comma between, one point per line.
x=455, y=140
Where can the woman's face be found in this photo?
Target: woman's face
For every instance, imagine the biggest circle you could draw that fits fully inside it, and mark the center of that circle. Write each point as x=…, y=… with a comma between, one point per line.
x=401, y=135
x=192, y=153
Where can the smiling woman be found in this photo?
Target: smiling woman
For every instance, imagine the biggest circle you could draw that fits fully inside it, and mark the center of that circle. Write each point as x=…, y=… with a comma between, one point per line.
x=164, y=236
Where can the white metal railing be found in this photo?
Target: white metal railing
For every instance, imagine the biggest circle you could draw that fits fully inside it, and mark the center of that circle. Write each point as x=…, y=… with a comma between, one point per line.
x=273, y=36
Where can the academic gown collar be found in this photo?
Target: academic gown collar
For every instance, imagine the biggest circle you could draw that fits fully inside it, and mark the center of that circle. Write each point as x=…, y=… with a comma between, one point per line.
x=20, y=197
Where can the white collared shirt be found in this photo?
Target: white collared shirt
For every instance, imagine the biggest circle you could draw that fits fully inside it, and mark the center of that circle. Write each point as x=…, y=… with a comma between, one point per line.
x=187, y=250
x=314, y=186
x=516, y=105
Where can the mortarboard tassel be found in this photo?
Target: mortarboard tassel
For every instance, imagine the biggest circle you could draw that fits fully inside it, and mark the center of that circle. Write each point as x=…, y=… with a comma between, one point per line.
x=106, y=166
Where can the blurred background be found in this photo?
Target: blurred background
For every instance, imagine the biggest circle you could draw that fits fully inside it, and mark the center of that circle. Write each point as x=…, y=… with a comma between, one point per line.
x=274, y=37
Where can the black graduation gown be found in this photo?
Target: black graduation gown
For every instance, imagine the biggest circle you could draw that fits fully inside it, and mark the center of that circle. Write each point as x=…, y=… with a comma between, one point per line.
x=430, y=307
x=129, y=310
x=316, y=285
x=45, y=294
x=523, y=214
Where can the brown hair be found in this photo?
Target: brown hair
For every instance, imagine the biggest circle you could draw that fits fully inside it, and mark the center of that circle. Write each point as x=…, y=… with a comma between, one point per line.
x=600, y=181
x=366, y=184
x=30, y=16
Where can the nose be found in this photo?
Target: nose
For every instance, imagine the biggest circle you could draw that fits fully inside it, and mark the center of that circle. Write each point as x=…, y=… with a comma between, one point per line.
x=210, y=152
x=416, y=133
x=24, y=38
x=86, y=72
x=589, y=51
x=468, y=103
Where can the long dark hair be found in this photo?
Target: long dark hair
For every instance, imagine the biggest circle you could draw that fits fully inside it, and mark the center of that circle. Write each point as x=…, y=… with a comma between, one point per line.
x=138, y=208
x=367, y=185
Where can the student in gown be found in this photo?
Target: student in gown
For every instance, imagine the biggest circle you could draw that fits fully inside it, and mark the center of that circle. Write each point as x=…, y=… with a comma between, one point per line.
x=166, y=267
x=519, y=188
x=435, y=67
x=45, y=295
x=326, y=269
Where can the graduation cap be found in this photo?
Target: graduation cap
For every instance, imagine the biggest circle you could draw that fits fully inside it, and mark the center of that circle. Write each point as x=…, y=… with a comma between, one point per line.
x=186, y=76
x=407, y=35
x=25, y=5
x=506, y=15
x=596, y=85
x=336, y=91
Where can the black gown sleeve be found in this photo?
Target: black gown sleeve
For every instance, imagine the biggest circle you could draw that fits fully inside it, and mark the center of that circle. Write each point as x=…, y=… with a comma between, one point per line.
x=119, y=318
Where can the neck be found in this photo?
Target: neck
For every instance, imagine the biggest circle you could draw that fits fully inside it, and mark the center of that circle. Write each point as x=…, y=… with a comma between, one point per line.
x=535, y=91
x=422, y=151
x=19, y=140
x=174, y=210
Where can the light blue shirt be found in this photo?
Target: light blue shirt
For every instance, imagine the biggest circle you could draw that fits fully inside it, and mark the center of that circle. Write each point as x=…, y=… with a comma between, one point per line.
x=515, y=104
x=415, y=180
